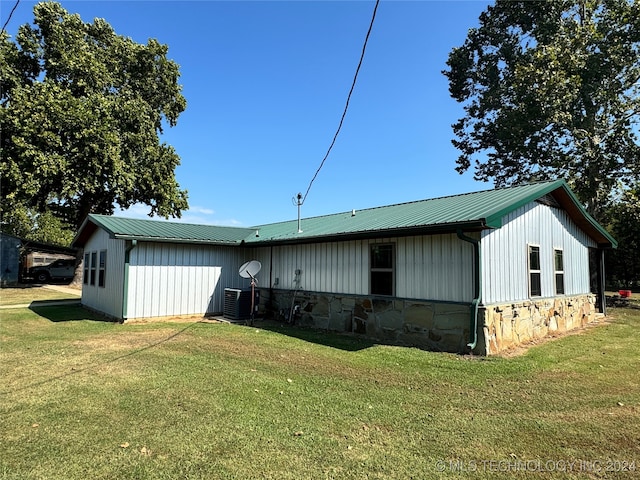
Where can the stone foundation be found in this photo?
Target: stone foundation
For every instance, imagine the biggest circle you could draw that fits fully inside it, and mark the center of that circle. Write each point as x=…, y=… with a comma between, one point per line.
x=439, y=326
x=508, y=325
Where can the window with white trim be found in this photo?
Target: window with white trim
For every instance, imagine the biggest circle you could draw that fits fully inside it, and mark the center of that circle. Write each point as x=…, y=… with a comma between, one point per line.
x=92, y=268
x=85, y=274
x=102, y=268
x=535, y=284
x=558, y=267
x=382, y=269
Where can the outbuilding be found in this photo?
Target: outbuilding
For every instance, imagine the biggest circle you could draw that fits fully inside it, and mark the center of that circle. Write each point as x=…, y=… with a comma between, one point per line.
x=9, y=258
x=480, y=271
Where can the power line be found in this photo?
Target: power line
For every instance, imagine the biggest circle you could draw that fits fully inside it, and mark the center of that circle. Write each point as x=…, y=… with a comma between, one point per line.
x=346, y=107
x=10, y=14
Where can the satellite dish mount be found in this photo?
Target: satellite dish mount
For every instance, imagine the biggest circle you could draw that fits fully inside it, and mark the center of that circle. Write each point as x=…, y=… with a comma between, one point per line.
x=250, y=270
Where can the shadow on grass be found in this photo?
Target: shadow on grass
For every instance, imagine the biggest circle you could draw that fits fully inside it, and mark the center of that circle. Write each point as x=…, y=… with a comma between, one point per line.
x=68, y=312
x=342, y=341
x=64, y=311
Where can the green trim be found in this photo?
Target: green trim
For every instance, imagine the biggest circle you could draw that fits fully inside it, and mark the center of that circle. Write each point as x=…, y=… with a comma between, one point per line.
x=495, y=220
x=477, y=290
x=125, y=281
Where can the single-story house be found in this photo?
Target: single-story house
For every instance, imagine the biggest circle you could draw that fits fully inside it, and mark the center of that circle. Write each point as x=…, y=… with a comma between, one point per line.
x=479, y=271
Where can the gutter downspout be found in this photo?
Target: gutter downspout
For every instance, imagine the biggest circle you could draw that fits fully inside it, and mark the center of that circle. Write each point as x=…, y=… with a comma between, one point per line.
x=477, y=288
x=125, y=282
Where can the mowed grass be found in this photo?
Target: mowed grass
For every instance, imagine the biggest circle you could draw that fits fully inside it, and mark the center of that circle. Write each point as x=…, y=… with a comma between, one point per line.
x=85, y=398
x=32, y=293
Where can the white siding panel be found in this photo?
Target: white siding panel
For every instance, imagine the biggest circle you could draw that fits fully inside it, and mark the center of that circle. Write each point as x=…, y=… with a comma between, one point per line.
x=176, y=279
x=107, y=299
x=505, y=254
x=436, y=267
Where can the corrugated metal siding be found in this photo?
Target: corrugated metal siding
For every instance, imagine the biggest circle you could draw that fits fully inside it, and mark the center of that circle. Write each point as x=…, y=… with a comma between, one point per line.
x=107, y=299
x=169, y=279
x=436, y=267
x=505, y=254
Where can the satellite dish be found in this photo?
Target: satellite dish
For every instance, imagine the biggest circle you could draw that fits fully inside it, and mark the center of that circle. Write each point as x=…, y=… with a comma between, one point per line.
x=250, y=269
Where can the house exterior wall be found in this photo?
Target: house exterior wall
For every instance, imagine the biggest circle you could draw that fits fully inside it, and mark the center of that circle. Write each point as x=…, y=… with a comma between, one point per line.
x=168, y=279
x=505, y=274
x=107, y=299
x=431, y=267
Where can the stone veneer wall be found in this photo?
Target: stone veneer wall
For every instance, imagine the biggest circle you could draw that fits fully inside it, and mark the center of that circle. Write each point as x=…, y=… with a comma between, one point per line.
x=509, y=325
x=440, y=326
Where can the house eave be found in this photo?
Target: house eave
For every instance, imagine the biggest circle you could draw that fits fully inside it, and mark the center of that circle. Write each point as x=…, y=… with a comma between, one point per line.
x=451, y=228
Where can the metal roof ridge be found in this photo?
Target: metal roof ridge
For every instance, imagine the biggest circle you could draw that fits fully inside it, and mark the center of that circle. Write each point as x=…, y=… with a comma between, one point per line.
x=165, y=222
x=413, y=202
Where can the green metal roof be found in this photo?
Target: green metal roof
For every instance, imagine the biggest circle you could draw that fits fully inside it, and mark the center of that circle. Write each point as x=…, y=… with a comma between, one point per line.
x=470, y=211
x=160, y=231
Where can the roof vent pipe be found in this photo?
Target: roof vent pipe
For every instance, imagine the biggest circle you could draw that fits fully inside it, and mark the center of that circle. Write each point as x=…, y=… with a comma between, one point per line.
x=353, y=212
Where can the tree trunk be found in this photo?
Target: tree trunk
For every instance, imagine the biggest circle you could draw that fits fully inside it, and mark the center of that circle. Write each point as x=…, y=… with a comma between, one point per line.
x=78, y=273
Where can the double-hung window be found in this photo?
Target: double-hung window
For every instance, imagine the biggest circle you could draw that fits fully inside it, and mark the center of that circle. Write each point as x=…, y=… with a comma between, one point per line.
x=102, y=268
x=558, y=263
x=535, y=285
x=85, y=276
x=382, y=273
x=92, y=268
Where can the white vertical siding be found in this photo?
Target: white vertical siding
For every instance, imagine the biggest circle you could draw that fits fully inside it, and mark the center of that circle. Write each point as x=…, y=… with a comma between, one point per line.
x=505, y=275
x=107, y=299
x=180, y=279
x=436, y=267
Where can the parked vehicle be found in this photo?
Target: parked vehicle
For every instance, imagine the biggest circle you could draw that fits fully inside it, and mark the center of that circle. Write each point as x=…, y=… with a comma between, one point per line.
x=62, y=269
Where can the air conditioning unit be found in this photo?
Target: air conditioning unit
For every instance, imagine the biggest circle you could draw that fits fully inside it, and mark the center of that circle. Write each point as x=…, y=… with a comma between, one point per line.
x=237, y=303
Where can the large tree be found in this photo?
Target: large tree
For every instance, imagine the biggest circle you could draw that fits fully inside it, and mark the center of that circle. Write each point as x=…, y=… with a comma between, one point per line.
x=623, y=263
x=81, y=112
x=551, y=90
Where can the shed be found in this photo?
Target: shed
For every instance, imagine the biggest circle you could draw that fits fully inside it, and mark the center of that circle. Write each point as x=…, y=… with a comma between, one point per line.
x=479, y=271
x=9, y=258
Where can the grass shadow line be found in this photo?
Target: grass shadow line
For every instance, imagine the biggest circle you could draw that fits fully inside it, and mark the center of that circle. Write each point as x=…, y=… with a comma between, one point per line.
x=64, y=311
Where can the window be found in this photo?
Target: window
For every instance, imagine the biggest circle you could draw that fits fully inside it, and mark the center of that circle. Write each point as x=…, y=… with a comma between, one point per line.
x=92, y=268
x=559, y=271
x=102, y=268
x=85, y=276
x=535, y=287
x=382, y=269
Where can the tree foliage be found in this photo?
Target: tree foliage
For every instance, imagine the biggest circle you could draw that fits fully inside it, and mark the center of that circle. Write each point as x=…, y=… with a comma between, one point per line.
x=81, y=111
x=43, y=227
x=623, y=263
x=551, y=90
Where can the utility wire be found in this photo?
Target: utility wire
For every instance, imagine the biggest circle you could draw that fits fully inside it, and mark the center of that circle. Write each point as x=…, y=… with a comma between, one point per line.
x=10, y=14
x=344, y=113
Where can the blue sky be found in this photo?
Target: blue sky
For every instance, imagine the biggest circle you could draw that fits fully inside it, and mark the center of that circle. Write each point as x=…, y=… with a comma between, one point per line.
x=266, y=83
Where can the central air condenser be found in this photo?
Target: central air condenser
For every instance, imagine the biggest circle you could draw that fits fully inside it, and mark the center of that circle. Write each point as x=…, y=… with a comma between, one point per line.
x=237, y=303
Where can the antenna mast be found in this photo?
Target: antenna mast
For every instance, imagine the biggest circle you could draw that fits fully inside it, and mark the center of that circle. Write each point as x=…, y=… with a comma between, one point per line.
x=297, y=200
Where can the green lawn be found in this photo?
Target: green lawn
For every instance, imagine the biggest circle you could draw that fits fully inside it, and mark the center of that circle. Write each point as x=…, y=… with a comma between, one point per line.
x=30, y=293
x=82, y=398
